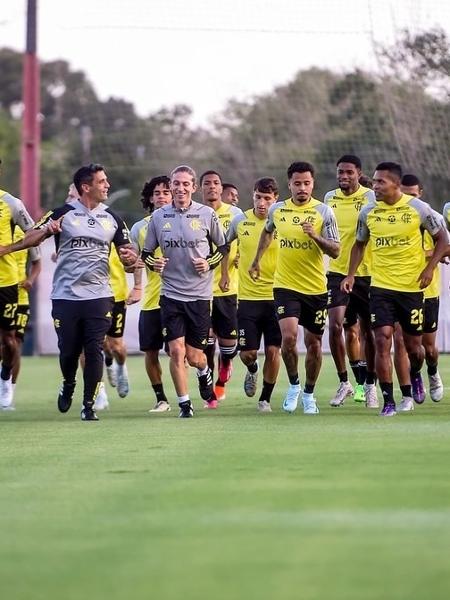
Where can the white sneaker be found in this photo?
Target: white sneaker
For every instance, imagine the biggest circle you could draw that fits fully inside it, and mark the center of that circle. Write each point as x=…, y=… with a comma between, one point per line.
x=161, y=406
x=436, y=387
x=406, y=404
x=371, y=395
x=344, y=390
x=264, y=406
x=309, y=405
x=122, y=381
x=6, y=394
x=111, y=373
x=101, y=401
x=291, y=398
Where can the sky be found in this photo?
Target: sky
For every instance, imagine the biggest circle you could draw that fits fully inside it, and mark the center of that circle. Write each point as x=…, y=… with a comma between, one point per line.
x=157, y=53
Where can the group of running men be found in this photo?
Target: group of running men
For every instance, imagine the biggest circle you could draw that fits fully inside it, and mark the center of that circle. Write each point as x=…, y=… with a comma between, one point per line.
x=217, y=275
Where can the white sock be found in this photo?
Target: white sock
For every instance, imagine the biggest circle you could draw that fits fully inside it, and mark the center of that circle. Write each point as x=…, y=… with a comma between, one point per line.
x=184, y=398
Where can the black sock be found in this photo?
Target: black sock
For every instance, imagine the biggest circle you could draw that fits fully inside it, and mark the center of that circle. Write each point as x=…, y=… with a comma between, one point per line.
x=6, y=372
x=108, y=360
x=387, y=389
x=253, y=367
x=363, y=371
x=266, y=391
x=159, y=392
x=309, y=388
x=432, y=369
x=371, y=377
x=343, y=377
x=354, y=364
x=293, y=379
x=406, y=391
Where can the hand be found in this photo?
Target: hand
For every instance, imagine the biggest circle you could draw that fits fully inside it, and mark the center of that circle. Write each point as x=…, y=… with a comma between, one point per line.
x=425, y=277
x=26, y=284
x=347, y=284
x=200, y=265
x=236, y=261
x=224, y=283
x=308, y=228
x=134, y=296
x=54, y=227
x=128, y=256
x=254, y=271
x=159, y=264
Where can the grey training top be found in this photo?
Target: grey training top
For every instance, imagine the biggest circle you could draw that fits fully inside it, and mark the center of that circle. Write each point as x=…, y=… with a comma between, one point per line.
x=184, y=234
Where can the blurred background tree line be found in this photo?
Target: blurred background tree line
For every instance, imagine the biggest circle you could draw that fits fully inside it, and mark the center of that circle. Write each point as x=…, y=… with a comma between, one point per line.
x=401, y=113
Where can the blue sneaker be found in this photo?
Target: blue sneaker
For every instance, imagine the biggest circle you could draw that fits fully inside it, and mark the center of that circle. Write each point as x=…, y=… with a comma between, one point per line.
x=291, y=400
x=389, y=410
x=418, y=389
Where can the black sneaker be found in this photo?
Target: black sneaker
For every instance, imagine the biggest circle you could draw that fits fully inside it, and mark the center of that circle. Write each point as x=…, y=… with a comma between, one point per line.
x=186, y=410
x=65, y=396
x=88, y=414
x=205, y=385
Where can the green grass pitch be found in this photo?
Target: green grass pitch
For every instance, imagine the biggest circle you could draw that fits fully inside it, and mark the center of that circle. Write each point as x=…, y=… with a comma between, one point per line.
x=231, y=505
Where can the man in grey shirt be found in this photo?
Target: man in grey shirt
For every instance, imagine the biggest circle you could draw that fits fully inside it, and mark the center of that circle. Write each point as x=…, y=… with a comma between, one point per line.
x=81, y=296
x=185, y=231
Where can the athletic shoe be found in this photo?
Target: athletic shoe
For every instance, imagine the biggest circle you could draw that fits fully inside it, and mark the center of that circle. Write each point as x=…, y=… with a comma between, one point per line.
x=6, y=394
x=161, y=406
x=344, y=390
x=219, y=391
x=309, y=405
x=264, y=406
x=205, y=385
x=65, y=396
x=101, y=401
x=389, y=410
x=360, y=393
x=436, y=387
x=186, y=410
x=250, y=383
x=370, y=391
x=88, y=414
x=406, y=404
x=418, y=389
x=291, y=398
x=225, y=372
x=211, y=403
x=122, y=381
x=111, y=373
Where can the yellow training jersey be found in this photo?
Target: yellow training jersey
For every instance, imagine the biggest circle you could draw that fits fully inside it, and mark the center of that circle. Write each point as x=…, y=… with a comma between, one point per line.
x=21, y=261
x=346, y=210
x=300, y=265
x=225, y=213
x=138, y=233
x=395, y=237
x=246, y=228
x=117, y=276
x=12, y=213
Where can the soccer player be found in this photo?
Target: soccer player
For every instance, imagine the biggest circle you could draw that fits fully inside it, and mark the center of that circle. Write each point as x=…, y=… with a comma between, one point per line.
x=82, y=300
x=224, y=307
x=155, y=194
x=12, y=213
x=256, y=308
x=343, y=309
x=185, y=231
x=230, y=194
x=306, y=230
x=399, y=270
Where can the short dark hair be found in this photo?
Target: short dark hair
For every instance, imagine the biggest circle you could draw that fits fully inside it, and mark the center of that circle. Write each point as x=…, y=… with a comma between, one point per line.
x=266, y=185
x=229, y=185
x=149, y=188
x=409, y=180
x=210, y=172
x=365, y=180
x=392, y=167
x=86, y=174
x=350, y=158
x=300, y=167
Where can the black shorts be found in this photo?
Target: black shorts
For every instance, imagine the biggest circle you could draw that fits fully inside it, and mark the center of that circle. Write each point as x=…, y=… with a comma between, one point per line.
x=21, y=320
x=150, y=330
x=8, y=307
x=255, y=319
x=389, y=306
x=310, y=310
x=118, y=320
x=357, y=302
x=430, y=315
x=191, y=320
x=224, y=317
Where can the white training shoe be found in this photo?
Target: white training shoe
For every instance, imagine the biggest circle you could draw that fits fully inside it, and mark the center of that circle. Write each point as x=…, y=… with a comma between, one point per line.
x=436, y=387
x=264, y=406
x=309, y=405
x=6, y=394
x=122, y=381
x=370, y=390
x=406, y=404
x=291, y=399
x=344, y=390
x=111, y=373
x=161, y=406
x=101, y=401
